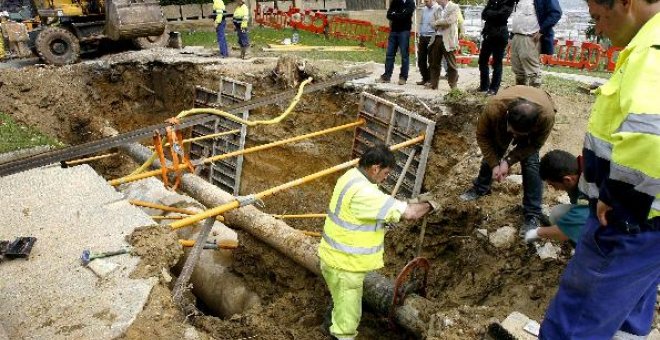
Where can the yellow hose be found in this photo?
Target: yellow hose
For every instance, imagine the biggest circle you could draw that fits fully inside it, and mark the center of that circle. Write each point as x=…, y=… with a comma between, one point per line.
x=231, y=117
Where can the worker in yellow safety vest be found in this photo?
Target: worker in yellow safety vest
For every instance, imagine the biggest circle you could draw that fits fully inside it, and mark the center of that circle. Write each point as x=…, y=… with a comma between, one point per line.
x=240, y=19
x=609, y=288
x=354, y=231
x=220, y=24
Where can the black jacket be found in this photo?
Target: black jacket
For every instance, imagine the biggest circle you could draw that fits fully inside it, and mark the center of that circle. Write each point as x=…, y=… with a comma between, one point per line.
x=495, y=14
x=400, y=15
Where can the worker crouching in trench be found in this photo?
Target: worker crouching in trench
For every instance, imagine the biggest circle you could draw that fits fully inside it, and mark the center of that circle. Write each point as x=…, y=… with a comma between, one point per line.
x=354, y=232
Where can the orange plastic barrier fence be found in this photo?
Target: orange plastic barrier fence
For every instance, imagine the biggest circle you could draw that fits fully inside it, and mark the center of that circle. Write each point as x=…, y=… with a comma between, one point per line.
x=587, y=55
x=352, y=29
x=612, y=54
x=309, y=21
x=381, y=34
x=590, y=55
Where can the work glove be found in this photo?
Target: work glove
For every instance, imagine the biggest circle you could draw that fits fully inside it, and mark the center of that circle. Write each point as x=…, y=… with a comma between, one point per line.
x=532, y=235
x=426, y=198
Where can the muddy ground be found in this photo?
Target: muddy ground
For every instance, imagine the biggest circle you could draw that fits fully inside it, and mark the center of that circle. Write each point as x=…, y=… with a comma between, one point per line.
x=471, y=282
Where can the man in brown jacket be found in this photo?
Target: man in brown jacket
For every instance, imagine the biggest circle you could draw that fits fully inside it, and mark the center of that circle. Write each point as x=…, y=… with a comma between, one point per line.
x=522, y=116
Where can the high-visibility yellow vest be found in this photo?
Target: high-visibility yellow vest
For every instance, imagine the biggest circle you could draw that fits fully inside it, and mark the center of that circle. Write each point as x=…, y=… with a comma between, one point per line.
x=354, y=229
x=219, y=9
x=242, y=15
x=622, y=144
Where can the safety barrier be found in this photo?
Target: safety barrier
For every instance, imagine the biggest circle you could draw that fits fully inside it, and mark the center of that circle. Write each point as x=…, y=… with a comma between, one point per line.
x=586, y=56
x=310, y=21
x=351, y=29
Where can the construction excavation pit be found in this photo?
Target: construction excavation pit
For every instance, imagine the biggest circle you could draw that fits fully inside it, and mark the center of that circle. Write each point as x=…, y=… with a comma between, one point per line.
x=251, y=190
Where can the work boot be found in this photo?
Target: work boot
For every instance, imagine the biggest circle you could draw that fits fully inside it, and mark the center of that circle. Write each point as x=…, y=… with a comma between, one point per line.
x=382, y=79
x=422, y=82
x=531, y=222
x=470, y=195
x=243, y=52
x=402, y=81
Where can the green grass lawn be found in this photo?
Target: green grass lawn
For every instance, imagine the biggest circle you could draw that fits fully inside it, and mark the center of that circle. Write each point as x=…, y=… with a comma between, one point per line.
x=14, y=136
x=261, y=36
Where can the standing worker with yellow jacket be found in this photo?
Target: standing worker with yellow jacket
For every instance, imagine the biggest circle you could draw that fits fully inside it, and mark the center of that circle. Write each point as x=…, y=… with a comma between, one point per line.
x=220, y=24
x=354, y=232
x=241, y=18
x=609, y=288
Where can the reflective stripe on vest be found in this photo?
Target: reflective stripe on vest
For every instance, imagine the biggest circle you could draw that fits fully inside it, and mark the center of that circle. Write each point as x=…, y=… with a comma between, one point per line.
x=350, y=249
x=641, y=123
x=334, y=215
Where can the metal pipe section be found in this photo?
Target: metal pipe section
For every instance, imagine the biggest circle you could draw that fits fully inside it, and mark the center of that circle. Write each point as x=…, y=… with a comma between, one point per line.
x=209, y=160
x=272, y=191
x=196, y=139
x=145, y=204
x=302, y=249
x=89, y=159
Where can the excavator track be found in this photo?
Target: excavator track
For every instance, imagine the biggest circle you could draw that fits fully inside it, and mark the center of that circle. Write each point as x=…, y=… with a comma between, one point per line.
x=76, y=151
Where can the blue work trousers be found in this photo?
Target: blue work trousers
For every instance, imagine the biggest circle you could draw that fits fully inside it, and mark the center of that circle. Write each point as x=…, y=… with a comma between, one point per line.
x=610, y=284
x=222, y=40
x=397, y=41
x=532, y=184
x=243, y=39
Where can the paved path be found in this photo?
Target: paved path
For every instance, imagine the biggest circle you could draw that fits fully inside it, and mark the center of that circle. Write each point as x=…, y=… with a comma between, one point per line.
x=468, y=78
x=50, y=295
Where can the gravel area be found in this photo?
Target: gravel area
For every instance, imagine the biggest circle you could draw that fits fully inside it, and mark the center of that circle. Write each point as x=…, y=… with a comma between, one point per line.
x=50, y=295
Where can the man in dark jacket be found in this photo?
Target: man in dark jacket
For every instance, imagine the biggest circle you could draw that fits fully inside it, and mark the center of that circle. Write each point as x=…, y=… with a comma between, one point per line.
x=495, y=38
x=522, y=116
x=400, y=15
x=531, y=23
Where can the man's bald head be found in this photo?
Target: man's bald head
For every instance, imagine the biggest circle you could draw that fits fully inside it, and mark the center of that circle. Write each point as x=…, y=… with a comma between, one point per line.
x=522, y=115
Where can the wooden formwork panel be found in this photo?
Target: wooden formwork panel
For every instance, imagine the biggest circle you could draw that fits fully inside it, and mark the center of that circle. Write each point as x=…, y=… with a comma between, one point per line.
x=225, y=173
x=388, y=123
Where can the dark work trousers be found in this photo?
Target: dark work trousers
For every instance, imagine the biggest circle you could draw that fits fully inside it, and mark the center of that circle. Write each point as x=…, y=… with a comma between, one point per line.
x=397, y=41
x=423, y=57
x=493, y=45
x=222, y=41
x=438, y=52
x=532, y=184
x=243, y=39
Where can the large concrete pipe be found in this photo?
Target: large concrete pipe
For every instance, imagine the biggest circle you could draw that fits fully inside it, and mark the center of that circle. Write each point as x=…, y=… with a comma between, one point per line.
x=378, y=290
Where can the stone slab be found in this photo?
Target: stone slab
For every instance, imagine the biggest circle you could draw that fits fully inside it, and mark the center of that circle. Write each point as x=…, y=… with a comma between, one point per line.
x=284, y=5
x=193, y=11
x=313, y=4
x=207, y=10
x=50, y=295
x=172, y=12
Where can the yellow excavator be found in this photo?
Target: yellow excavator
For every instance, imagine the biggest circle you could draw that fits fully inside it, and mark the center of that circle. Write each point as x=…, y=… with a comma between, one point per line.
x=58, y=30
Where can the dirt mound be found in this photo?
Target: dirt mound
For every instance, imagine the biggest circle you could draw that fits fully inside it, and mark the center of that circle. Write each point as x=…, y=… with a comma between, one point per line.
x=158, y=248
